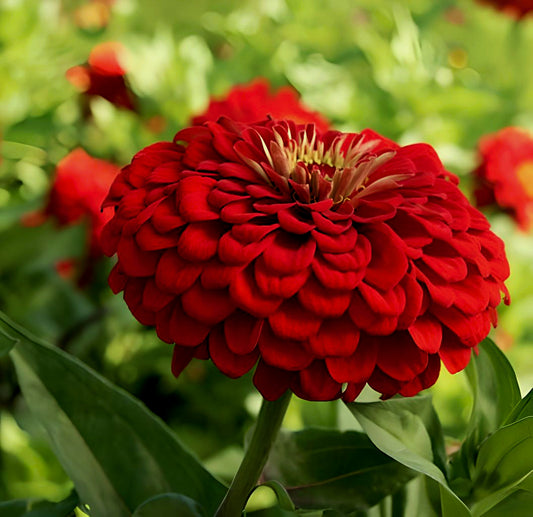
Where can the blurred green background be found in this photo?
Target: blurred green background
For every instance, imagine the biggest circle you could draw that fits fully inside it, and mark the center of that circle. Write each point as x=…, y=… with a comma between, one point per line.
x=443, y=72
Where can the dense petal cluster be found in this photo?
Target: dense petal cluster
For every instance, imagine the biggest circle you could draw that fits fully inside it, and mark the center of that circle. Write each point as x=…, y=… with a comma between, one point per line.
x=328, y=260
x=515, y=8
x=254, y=101
x=104, y=76
x=79, y=187
x=505, y=175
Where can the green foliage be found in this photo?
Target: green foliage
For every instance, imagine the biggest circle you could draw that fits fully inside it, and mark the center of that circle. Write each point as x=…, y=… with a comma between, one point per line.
x=100, y=432
x=330, y=469
x=33, y=508
x=169, y=504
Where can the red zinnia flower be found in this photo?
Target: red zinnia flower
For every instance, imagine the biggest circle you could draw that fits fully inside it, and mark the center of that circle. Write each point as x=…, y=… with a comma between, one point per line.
x=332, y=260
x=515, y=8
x=505, y=175
x=79, y=187
x=104, y=76
x=254, y=102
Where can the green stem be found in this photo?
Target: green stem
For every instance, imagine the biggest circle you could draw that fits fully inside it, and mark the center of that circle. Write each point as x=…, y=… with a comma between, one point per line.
x=266, y=429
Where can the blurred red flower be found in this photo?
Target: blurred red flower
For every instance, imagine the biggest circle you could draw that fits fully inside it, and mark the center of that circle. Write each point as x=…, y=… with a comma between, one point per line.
x=79, y=187
x=331, y=260
x=515, y=8
x=504, y=177
x=254, y=102
x=104, y=76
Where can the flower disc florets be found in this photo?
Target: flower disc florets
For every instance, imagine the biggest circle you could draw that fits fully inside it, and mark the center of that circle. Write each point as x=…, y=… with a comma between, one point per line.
x=330, y=260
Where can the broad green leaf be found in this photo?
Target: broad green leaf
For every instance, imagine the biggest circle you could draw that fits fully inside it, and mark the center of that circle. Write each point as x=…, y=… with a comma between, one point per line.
x=6, y=342
x=407, y=429
x=522, y=410
x=171, y=505
x=513, y=500
x=99, y=432
x=504, y=458
x=323, y=468
x=39, y=508
x=496, y=393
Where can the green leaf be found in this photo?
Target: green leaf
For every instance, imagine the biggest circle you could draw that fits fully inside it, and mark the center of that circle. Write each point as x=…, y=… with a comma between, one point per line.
x=322, y=468
x=33, y=508
x=522, y=410
x=6, y=342
x=408, y=430
x=284, y=500
x=514, y=500
x=496, y=393
x=169, y=504
x=504, y=458
x=99, y=433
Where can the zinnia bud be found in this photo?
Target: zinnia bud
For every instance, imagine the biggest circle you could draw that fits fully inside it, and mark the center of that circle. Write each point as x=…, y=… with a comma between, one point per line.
x=504, y=177
x=104, y=76
x=254, y=102
x=330, y=260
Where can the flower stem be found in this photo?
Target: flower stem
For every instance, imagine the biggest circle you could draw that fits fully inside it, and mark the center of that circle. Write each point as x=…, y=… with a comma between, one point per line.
x=267, y=427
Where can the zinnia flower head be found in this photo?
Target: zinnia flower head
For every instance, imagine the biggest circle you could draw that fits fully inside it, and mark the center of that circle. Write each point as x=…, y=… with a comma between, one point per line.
x=79, y=187
x=505, y=174
x=328, y=260
x=254, y=102
x=104, y=76
x=514, y=8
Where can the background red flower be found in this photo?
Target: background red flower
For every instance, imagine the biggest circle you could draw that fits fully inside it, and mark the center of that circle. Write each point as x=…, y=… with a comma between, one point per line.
x=331, y=260
x=504, y=177
x=254, y=101
x=79, y=187
x=514, y=8
x=104, y=76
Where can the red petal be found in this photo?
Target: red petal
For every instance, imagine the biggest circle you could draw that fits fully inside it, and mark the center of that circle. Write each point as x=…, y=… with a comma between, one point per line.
x=133, y=292
x=233, y=252
x=153, y=298
x=292, y=321
x=426, y=379
x=239, y=212
x=207, y=306
x=317, y=384
x=289, y=254
x=426, y=332
x=454, y=354
x=332, y=278
x=134, y=261
x=413, y=301
x=192, y=193
x=283, y=353
x=242, y=332
x=174, y=274
x=216, y=275
x=366, y=319
x=199, y=241
x=149, y=239
x=324, y=302
x=400, y=358
x=273, y=284
x=272, y=382
x=352, y=391
x=251, y=232
x=336, y=337
x=389, y=263
x=162, y=323
x=181, y=357
x=335, y=243
x=444, y=261
x=293, y=221
x=329, y=227
x=165, y=217
x=391, y=303
x=358, y=367
x=117, y=279
x=185, y=330
x=384, y=384
x=471, y=330
x=249, y=298
x=232, y=365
